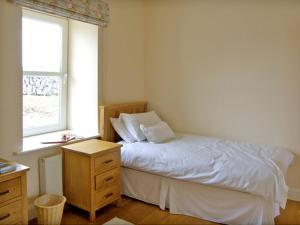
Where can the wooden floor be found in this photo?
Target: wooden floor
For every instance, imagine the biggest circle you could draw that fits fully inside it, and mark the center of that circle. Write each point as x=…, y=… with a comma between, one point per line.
x=142, y=213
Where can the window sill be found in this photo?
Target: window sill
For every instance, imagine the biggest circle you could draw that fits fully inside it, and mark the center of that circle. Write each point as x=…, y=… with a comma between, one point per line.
x=33, y=143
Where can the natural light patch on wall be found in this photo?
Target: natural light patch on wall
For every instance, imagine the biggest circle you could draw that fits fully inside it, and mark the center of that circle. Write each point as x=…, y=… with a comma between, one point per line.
x=83, y=77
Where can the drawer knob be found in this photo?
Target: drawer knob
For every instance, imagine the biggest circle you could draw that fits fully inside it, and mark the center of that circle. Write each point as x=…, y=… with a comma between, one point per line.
x=108, y=195
x=4, y=217
x=4, y=192
x=108, y=161
x=109, y=178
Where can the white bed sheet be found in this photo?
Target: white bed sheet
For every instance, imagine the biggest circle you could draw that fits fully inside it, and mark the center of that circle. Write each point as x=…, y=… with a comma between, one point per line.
x=209, y=203
x=239, y=166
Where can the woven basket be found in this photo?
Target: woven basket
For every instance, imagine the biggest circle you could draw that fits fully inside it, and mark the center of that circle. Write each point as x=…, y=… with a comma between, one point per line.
x=50, y=209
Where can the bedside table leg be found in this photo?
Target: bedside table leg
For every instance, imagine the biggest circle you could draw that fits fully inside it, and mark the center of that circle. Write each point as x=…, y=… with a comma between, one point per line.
x=92, y=216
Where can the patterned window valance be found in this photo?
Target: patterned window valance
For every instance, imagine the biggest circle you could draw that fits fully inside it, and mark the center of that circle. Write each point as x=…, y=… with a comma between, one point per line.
x=90, y=11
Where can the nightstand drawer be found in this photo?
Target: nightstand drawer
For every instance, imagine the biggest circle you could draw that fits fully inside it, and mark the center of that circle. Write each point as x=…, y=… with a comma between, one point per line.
x=107, y=162
x=10, y=189
x=107, y=196
x=107, y=179
x=10, y=214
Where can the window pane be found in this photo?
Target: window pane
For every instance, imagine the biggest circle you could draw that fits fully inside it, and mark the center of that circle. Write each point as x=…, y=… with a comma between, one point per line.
x=42, y=46
x=41, y=101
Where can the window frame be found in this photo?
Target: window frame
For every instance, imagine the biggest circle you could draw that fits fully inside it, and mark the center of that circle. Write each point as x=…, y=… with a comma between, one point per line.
x=62, y=74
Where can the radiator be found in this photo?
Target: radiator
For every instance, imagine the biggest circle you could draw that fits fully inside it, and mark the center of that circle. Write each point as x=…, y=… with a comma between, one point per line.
x=51, y=175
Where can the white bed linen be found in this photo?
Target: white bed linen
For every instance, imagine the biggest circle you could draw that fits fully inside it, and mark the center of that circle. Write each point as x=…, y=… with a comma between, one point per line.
x=226, y=164
x=209, y=203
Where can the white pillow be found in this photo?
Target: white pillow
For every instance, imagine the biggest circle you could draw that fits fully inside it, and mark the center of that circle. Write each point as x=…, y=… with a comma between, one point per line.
x=121, y=130
x=158, y=133
x=132, y=122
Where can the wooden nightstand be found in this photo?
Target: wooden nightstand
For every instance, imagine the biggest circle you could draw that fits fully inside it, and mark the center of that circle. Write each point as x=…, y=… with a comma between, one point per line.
x=13, y=196
x=91, y=173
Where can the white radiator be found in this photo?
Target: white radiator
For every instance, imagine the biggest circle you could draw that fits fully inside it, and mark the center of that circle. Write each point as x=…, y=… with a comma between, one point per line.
x=51, y=175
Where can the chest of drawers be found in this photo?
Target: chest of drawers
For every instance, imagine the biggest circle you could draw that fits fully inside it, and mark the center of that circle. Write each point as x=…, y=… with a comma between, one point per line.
x=91, y=171
x=13, y=196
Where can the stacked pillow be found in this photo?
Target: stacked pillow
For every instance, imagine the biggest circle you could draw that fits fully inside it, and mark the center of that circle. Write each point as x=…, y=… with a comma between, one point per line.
x=122, y=131
x=142, y=126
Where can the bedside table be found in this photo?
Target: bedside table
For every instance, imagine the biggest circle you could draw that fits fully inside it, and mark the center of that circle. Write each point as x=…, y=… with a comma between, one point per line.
x=13, y=195
x=91, y=173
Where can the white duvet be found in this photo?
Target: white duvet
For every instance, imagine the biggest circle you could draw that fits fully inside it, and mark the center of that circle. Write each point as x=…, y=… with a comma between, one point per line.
x=252, y=168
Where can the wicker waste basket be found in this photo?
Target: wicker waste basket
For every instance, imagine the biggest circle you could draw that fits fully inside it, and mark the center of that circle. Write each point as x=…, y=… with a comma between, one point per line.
x=50, y=209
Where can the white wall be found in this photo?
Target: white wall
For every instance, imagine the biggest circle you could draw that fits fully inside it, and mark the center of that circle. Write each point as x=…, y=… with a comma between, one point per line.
x=228, y=69
x=123, y=52
x=83, y=77
x=10, y=77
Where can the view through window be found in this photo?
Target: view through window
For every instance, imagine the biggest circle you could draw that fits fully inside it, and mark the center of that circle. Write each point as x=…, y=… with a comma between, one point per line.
x=44, y=73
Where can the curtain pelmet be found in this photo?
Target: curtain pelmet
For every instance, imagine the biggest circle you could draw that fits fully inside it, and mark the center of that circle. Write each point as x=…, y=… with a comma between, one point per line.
x=89, y=11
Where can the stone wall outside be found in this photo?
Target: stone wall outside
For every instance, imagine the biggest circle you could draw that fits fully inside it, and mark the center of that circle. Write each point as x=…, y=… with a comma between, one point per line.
x=40, y=85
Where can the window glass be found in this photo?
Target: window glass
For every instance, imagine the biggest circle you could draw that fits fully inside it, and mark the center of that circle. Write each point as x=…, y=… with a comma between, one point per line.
x=42, y=46
x=41, y=101
x=44, y=49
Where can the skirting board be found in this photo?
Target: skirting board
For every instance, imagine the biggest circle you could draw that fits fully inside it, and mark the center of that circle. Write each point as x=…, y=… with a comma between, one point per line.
x=294, y=194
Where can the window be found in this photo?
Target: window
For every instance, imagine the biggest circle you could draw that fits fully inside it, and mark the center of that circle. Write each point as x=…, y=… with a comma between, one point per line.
x=44, y=45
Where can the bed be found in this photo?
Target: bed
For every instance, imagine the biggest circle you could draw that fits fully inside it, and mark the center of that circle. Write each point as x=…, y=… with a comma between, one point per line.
x=157, y=174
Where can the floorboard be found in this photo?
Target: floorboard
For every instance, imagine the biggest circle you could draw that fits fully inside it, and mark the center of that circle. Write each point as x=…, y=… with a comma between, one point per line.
x=138, y=212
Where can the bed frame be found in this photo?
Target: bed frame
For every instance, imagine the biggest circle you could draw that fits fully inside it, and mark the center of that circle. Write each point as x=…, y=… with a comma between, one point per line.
x=106, y=112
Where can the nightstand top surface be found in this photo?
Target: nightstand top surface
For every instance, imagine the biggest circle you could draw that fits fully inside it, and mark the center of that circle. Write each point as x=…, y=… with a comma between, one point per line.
x=20, y=168
x=91, y=147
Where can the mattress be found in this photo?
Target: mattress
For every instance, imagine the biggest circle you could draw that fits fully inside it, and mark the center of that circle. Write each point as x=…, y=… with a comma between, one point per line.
x=233, y=165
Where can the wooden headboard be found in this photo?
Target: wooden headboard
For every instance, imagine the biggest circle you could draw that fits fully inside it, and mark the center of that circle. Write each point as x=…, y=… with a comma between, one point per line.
x=107, y=132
